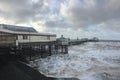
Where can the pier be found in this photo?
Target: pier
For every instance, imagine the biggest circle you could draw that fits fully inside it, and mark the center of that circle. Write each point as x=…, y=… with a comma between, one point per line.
x=19, y=46
x=17, y=42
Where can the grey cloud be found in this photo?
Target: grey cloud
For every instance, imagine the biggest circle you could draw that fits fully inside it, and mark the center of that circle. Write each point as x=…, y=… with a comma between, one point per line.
x=90, y=12
x=113, y=25
x=70, y=15
x=23, y=10
x=56, y=24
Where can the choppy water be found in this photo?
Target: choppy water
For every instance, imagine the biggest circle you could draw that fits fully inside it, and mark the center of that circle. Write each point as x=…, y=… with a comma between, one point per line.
x=89, y=61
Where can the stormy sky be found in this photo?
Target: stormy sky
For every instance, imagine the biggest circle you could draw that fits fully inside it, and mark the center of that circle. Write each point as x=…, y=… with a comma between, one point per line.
x=72, y=18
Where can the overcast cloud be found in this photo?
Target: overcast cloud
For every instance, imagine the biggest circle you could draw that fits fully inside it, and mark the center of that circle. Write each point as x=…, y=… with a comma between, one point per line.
x=73, y=18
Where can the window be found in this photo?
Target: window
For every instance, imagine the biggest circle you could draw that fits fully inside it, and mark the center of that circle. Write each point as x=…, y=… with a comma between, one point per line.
x=25, y=37
x=16, y=37
x=48, y=37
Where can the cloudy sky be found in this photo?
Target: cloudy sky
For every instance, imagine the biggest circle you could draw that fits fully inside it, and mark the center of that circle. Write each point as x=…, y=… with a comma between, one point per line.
x=72, y=18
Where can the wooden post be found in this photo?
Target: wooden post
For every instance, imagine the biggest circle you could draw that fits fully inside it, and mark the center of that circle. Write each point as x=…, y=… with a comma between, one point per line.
x=40, y=47
x=66, y=49
x=50, y=50
x=56, y=48
x=30, y=51
x=62, y=48
x=43, y=47
x=42, y=50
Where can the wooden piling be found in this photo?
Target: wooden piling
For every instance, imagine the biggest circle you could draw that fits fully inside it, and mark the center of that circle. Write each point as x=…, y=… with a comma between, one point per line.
x=66, y=49
x=50, y=51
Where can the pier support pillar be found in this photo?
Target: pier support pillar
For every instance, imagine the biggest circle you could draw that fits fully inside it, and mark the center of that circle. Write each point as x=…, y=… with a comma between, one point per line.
x=56, y=48
x=62, y=47
x=50, y=50
x=66, y=49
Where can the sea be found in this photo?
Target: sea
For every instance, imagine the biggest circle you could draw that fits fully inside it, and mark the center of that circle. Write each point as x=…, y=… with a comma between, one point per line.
x=88, y=61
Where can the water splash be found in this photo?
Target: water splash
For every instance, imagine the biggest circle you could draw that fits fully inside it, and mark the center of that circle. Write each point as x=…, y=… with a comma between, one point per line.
x=91, y=61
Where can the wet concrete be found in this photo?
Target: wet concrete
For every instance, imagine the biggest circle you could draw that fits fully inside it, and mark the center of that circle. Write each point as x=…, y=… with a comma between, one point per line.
x=14, y=70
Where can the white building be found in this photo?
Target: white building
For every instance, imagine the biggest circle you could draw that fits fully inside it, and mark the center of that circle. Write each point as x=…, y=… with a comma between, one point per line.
x=62, y=40
x=15, y=35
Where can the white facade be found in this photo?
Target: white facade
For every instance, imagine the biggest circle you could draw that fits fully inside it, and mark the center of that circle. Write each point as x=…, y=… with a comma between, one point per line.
x=15, y=38
x=34, y=38
x=63, y=41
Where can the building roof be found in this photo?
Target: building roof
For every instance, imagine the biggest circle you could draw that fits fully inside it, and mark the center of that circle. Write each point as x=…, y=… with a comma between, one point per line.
x=17, y=28
x=62, y=38
x=25, y=33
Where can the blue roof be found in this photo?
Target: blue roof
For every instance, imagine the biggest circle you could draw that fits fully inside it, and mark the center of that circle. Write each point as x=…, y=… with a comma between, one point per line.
x=18, y=28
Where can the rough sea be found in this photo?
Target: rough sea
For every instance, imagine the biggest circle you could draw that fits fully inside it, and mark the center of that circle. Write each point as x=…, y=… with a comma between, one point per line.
x=88, y=61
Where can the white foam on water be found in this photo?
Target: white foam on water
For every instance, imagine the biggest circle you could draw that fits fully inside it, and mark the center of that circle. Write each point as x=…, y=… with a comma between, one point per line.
x=84, y=61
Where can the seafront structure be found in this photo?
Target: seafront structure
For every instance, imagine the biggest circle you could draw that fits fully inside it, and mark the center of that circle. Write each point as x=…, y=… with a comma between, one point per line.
x=17, y=36
x=62, y=44
x=27, y=41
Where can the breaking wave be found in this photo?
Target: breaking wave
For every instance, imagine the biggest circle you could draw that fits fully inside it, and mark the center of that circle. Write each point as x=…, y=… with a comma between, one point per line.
x=89, y=61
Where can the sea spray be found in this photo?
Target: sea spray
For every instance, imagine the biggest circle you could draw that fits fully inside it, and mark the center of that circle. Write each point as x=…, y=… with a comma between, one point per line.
x=90, y=60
